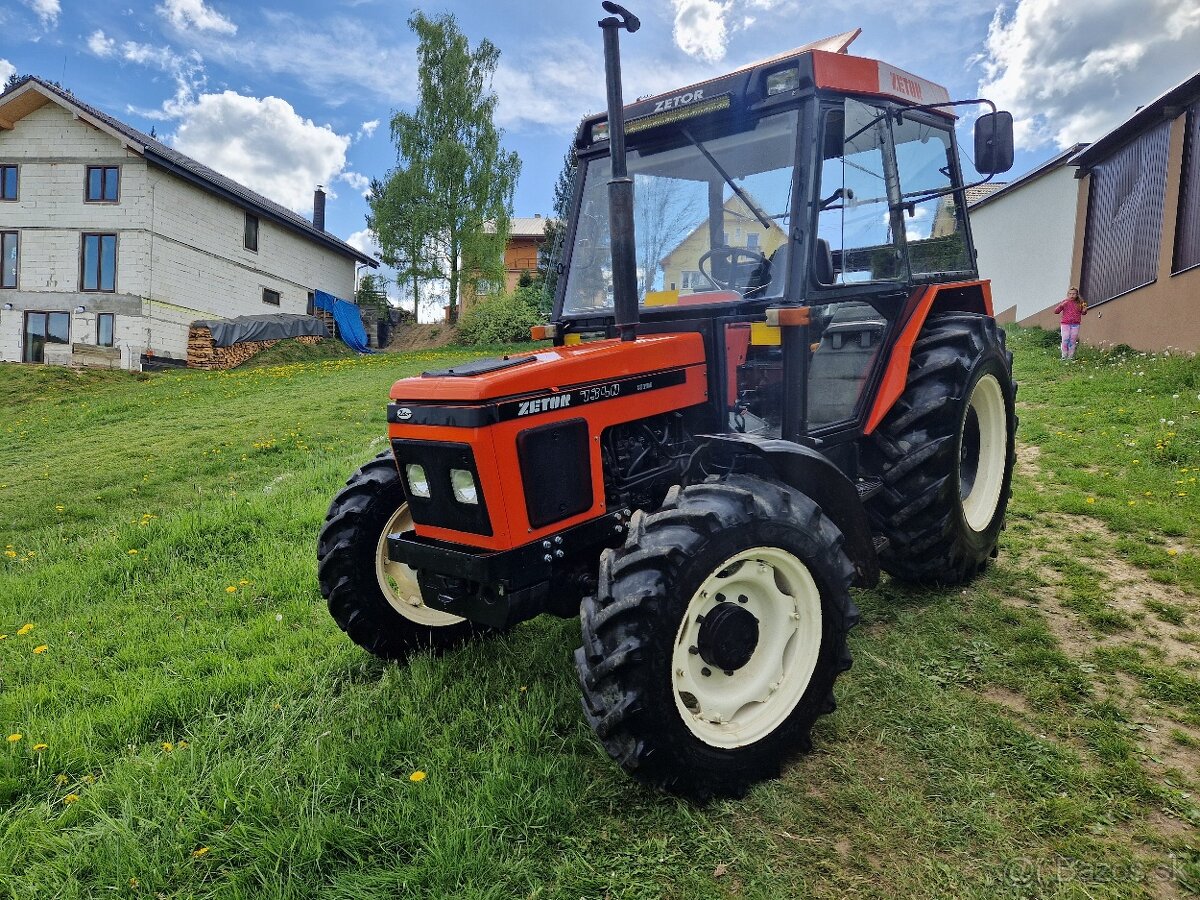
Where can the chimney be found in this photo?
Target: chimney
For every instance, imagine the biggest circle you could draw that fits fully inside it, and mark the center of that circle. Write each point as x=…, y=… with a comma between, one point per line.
x=319, y=208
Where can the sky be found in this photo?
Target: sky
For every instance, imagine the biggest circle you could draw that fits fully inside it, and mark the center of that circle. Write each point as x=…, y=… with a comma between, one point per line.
x=283, y=96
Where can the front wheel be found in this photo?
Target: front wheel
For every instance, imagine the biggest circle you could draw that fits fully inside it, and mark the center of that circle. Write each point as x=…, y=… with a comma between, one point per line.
x=716, y=635
x=945, y=453
x=376, y=601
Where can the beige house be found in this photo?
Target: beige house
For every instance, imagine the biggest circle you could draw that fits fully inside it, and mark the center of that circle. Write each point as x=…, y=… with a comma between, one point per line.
x=681, y=270
x=112, y=243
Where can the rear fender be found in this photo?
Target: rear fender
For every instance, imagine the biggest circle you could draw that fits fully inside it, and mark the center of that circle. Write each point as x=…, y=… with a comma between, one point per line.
x=816, y=477
x=962, y=296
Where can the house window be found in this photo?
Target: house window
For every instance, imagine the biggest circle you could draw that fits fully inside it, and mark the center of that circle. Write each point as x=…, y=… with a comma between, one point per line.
x=752, y=240
x=250, y=238
x=104, y=330
x=270, y=296
x=99, y=263
x=42, y=328
x=311, y=309
x=9, y=256
x=8, y=183
x=103, y=184
x=1187, y=229
x=1125, y=217
x=691, y=280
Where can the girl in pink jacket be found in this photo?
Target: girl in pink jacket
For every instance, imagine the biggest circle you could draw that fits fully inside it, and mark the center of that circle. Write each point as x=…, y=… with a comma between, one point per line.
x=1073, y=309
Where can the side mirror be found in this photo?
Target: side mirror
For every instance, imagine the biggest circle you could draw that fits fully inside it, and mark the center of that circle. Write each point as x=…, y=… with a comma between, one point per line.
x=994, y=143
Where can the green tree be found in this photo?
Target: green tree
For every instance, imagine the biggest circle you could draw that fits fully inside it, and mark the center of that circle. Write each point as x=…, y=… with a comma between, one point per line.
x=372, y=293
x=444, y=210
x=550, y=250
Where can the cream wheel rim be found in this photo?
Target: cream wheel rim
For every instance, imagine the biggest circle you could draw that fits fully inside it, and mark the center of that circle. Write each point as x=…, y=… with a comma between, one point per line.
x=736, y=707
x=982, y=453
x=399, y=583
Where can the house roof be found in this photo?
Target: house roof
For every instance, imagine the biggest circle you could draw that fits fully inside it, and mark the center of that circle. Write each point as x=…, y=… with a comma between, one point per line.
x=32, y=92
x=527, y=226
x=1050, y=165
x=1168, y=105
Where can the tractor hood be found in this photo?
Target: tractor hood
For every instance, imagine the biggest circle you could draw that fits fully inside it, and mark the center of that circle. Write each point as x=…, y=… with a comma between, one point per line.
x=552, y=369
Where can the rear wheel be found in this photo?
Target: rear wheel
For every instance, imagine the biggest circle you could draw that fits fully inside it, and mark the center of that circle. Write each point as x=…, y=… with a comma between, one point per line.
x=376, y=601
x=945, y=453
x=716, y=636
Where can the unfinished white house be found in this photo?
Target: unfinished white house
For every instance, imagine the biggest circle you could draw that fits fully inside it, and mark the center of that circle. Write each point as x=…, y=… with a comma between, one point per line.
x=112, y=243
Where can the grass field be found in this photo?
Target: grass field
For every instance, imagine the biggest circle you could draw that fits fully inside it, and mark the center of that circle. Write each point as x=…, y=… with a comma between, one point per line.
x=187, y=721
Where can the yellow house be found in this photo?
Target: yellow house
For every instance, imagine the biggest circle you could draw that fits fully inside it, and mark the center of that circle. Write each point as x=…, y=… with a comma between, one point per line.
x=681, y=270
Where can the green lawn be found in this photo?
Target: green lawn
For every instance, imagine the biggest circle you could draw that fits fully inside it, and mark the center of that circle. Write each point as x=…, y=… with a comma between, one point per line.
x=208, y=731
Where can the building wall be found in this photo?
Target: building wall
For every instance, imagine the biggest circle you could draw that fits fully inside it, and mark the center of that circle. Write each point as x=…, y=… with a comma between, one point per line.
x=1161, y=315
x=180, y=253
x=520, y=255
x=1024, y=239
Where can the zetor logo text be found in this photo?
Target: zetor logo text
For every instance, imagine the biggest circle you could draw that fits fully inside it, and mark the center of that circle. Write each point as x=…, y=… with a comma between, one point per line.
x=543, y=404
x=909, y=87
x=680, y=100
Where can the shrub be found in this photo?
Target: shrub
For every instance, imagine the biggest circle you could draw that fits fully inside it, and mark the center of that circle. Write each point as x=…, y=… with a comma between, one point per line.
x=501, y=320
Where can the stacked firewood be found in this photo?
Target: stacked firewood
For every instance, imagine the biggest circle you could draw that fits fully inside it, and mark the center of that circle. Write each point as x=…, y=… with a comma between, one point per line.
x=203, y=355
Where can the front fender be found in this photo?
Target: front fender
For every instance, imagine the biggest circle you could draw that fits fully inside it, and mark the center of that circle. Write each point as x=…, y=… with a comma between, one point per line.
x=815, y=476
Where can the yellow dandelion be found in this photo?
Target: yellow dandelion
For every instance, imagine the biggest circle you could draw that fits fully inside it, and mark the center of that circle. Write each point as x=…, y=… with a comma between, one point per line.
x=1172, y=552
x=133, y=883
x=11, y=554
x=416, y=777
x=199, y=852
x=243, y=582
x=41, y=648
x=181, y=745
x=26, y=628
x=89, y=778
x=168, y=746
x=132, y=553
x=40, y=746
x=71, y=798
x=232, y=589
x=60, y=780
x=13, y=738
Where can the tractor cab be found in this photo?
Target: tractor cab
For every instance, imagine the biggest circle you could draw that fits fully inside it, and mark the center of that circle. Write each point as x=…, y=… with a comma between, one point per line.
x=814, y=178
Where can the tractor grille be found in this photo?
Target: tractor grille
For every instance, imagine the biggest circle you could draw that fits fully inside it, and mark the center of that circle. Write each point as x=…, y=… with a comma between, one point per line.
x=555, y=471
x=440, y=509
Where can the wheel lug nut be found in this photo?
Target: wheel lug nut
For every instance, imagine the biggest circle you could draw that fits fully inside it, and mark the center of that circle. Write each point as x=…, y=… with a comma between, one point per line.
x=720, y=598
x=742, y=598
x=693, y=650
x=729, y=672
x=706, y=671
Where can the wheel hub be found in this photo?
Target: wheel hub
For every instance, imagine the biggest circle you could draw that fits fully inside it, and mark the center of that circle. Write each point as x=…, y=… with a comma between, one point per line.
x=728, y=637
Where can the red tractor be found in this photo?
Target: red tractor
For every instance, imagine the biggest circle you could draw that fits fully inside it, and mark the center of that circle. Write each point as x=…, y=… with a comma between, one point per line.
x=774, y=372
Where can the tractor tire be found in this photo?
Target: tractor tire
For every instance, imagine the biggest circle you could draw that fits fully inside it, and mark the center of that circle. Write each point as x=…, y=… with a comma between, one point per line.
x=716, y=635
x=945, y=453
x=377, y=602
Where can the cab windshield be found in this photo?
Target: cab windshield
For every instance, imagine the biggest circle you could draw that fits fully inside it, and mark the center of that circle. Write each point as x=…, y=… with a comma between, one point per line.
x=711, y=218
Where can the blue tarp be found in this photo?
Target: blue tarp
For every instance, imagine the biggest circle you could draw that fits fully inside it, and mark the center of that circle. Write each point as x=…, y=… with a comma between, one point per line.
x=348, y=318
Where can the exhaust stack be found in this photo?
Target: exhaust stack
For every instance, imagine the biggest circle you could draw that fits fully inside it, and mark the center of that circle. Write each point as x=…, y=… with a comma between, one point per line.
x=620, y=187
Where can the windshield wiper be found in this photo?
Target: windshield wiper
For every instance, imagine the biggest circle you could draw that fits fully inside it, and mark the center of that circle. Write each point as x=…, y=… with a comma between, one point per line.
x=742, y=195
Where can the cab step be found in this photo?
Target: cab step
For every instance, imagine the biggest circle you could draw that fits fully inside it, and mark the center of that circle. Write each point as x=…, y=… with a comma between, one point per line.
x=868, y=488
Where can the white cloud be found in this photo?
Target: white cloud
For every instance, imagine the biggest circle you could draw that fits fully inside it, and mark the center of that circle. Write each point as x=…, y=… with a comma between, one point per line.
x=365, y=242
x=187, y=13
x=7, y=70
x=1070, y=74
x=263, y=144
x=357, y=181
x=367, y=129
x=47, y=11
x=101, y=45
x=700, y=28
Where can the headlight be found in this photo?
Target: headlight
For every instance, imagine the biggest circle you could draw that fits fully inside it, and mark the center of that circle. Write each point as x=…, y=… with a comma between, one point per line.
x=463, y=483
x=418, y=484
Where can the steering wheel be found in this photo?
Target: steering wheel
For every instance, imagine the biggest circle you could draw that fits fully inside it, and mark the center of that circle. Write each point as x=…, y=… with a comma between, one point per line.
x=727, y=268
